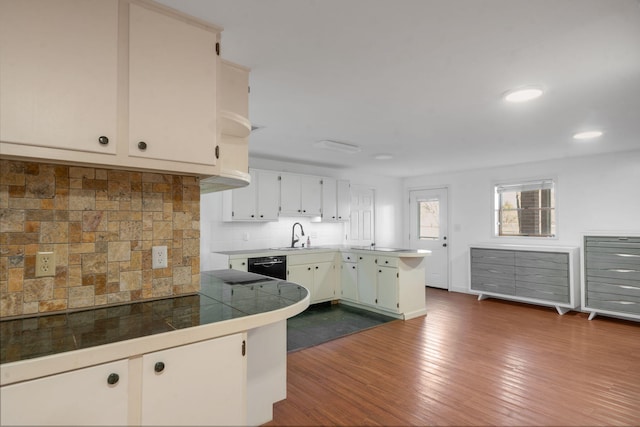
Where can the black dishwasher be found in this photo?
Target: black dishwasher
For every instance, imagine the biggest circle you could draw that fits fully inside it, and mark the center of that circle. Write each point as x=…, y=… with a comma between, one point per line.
x=272, y=266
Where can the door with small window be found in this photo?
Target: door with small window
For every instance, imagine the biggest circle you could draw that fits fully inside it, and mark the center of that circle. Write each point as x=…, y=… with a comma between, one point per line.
x=428, y=230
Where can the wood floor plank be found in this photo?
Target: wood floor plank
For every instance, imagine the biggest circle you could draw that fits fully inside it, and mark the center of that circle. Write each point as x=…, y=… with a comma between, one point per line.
x=471, y=362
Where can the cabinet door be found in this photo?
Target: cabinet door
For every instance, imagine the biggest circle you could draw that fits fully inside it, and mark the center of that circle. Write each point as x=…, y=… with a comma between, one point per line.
x=349, y=281
x=311, y=195
x=290, y=194
x=343, y=191
x=367, y=276
x=268, y=195
x=239, y=264
x=58, y=84
x=172, y=88
x=199, y=384
x=243, y=200
x=324, y=281
x=388, y=288
x=302, y=274
x=329, y=200
x=82, y=397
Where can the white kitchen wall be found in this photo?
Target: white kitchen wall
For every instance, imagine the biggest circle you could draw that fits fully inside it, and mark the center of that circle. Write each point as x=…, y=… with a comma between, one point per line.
x=596, y=193
x=216, y=235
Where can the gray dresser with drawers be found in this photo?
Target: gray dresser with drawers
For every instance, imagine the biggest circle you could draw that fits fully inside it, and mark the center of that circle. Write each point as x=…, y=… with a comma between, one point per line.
x=611, y=280
x=543, y=275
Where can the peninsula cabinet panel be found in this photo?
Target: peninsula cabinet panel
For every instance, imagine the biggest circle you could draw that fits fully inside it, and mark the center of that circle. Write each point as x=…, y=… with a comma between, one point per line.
x=196, y=384
x=539, y=275
x=98, y=395
x=58, y=79
x=611, y=284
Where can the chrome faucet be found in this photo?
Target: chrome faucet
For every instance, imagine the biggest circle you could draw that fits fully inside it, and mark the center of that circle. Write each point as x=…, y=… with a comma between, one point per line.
x=293, y=236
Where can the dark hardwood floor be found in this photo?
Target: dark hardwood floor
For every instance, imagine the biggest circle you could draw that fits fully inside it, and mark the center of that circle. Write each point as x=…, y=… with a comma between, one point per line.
x=471, y=362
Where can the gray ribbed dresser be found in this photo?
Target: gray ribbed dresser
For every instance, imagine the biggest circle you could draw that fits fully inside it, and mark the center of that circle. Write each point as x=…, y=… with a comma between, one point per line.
x=611, y=280
x=543, y=275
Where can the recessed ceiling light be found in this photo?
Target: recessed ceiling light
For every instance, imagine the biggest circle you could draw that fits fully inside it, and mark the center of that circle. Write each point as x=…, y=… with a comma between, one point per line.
x=344, y=147
x=383, y=156
x=523, y=94
x=587, y=135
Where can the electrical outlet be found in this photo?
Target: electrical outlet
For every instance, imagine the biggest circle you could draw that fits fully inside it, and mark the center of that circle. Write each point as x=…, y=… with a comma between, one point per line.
x=45, y=264
x=159, y=257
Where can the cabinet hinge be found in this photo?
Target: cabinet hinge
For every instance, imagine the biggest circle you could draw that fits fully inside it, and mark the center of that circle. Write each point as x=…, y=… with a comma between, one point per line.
x=233, y=213
x=248, y=89
x=217, y=151
x=376, y=300
x=279, y=178
x=398, y=305
x=244, y=347
x=398, y=275
x=321, y=182
x=218, y=48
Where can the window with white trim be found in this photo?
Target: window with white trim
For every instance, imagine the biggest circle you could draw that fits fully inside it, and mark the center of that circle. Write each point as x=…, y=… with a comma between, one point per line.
x=526, y=209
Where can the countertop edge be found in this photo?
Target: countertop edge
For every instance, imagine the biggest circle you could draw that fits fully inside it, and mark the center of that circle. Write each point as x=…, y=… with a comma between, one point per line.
x=29, y=369
x=414, y=253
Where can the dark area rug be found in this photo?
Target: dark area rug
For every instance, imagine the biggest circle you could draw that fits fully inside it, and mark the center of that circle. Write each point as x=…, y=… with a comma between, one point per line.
x=325, y=321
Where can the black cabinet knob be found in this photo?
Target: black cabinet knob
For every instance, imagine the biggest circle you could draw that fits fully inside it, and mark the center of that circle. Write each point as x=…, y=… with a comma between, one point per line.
x=142, y=145
x=316, y=267
x=309, y=268
x=253, y=216
x=354, y=267
x=103, y=140
x=113, y=379
x=386, y=262
x=444, y=245
x=158, y=367
x=261, y=216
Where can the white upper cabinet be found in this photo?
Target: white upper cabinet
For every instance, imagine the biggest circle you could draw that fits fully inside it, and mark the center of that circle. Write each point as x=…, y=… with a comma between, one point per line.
x=344, y=200
x=336, y=200
x=256, y=202
x=129, y=84
x=172, y=88
x=232, y=151
x=58, y=76
x=300, y=195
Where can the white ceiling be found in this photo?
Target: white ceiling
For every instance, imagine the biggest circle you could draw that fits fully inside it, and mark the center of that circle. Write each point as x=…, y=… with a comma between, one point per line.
x=423, y=79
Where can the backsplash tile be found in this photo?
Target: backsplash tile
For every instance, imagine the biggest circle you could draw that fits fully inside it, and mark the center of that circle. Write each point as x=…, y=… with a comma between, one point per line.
x=101, y=224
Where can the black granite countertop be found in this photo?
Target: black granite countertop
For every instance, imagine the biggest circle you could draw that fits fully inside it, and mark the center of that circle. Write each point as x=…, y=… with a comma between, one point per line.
x=224, y=295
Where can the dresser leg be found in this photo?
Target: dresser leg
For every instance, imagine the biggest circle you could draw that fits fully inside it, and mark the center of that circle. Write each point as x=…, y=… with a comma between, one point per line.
x=562, y=310
x=592, y=315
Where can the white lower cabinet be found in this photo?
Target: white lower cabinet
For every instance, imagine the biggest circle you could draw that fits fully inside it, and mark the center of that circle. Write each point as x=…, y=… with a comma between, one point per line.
x=240, y=264
x=196, y=384
x=98, y=395
x=378, y=282
x=316, y=272
x=204, y=383
x=349, y=278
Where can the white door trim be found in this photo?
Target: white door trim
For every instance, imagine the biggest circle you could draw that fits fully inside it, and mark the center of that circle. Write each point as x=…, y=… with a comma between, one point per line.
x=407, y=221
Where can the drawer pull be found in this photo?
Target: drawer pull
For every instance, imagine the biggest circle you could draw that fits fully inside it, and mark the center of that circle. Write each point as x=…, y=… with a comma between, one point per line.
x=623, y=270
x=628, y=255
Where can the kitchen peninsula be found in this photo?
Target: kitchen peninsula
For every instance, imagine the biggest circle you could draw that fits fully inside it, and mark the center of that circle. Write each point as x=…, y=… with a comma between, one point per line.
x=211, y=358
x=390, y=281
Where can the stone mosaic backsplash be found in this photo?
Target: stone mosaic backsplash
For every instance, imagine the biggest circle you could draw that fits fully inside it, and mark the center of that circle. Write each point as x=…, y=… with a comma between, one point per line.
x=101, y=224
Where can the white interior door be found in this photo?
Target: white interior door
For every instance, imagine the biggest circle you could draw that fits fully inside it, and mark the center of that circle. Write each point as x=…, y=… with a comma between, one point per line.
x=361, y=224
x=428, y=230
